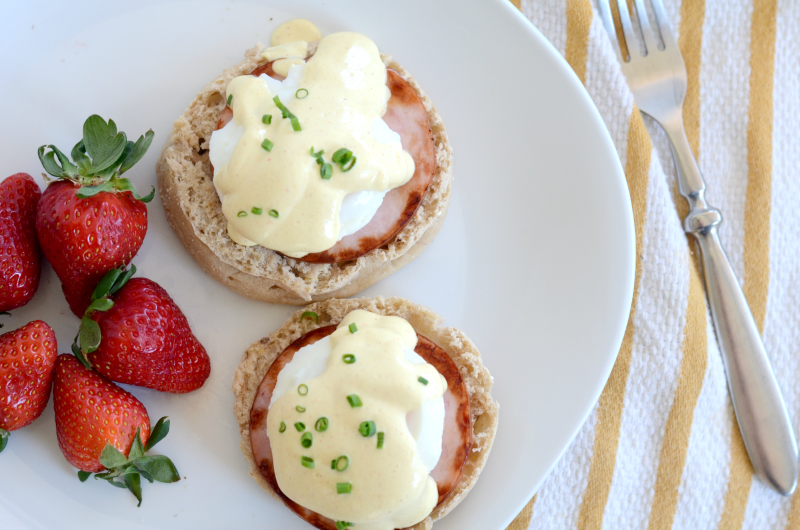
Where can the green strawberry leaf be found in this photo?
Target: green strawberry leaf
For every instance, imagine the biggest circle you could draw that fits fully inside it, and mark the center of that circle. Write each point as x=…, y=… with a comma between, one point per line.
x=95, y=133
x=159, y=432
x=89, y=335
x=76, y=351
x=123, y=279
x=125, y=185
x=134, y=483
x=69, y=168
x=90, y=191
x=49, y=162
x=110, y=457
x=104, y=286
x=80, y=158
x=137, y=451
x=84, y=475
x=160, y=467
x=115, y=483
x=137, y=152
x=3, y=439
x=101, y=304
x=103, y=144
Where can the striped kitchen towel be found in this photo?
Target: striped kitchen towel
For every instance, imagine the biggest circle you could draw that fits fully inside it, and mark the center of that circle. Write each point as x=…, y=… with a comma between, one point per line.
x=661, y=449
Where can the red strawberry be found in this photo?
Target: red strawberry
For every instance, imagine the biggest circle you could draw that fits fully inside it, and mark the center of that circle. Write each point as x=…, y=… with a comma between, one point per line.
x=144, y=338
x=91, y=220
x=20, y=258
x=102, y=427
x=27, y=358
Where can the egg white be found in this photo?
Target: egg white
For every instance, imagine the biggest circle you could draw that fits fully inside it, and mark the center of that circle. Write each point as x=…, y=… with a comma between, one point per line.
x=426, y=424
x=358, y=208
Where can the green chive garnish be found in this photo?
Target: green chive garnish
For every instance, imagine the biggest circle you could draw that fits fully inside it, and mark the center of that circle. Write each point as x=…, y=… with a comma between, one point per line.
x=241, y=214
x=347, y=166
x=283, y=427
x=333, y=464
x=300, y=426
x=274, y=213
x=310, y=314
x=295, y=123
x=306, y=440
x=325, y=171
x=341, y=463
x=349, y=358
x=322, y=424
x=257, y=211
x=380, y=440
x=298, y=408
x=343, y=487
x=367, y=428
x=302, y=390
x=301, y=93
x=266, y=119
x=352, y=327
x=286, y=113
x=342, y=525
x=266, y=144
x=230, y=100
x=317, y=155
x=307, y=462
x=354, y=400
x=422, y=380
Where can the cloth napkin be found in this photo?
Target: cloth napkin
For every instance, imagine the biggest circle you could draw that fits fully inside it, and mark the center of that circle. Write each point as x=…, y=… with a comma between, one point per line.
x=662, y=449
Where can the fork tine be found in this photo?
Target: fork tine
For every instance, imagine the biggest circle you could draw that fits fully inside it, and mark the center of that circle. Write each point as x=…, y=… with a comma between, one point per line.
x=608, y=24
x=644, y=24
x=662, y=19
x=627, y=30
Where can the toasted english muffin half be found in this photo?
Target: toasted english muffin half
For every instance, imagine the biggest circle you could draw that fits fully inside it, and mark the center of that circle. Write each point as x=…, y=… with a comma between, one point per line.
x=194, y=210
x=477, y=380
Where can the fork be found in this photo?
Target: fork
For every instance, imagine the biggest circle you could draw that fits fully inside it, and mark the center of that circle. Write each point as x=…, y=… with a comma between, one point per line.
x=658, y=82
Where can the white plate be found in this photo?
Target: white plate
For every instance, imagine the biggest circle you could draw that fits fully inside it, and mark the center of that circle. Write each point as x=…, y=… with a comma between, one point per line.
x=535, y=262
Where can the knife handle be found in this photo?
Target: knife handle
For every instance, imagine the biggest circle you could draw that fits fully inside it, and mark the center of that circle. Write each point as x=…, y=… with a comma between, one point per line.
x=757, y=400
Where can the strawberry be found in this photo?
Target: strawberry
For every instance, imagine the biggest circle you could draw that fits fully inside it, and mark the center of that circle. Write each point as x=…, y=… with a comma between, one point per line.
x=27, y=359
x=102, y=427
x=20, y=257
x=91, y=220
x=134, y=333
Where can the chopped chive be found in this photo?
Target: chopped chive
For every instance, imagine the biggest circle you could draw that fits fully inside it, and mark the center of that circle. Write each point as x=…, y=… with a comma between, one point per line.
x=283, y=427
x=318, y=154
x=367, y=428
x=343, y=487
x=230, y=100
x=310, y=314
x=341, y=156
x=266, y=119
x=342, y=525
x=300, y=426
x=322, y=424
x=354, y=400
x=349, y=358
x=286, y=113
x=306, y=461
x=422, y=380
x=325, y=171
x=302, y=390
x=352, y=327
x=256, y=210
x=274, y=213
x=298, y=408
x=301, y=93
x=267, y=145
x=311, y=151
x=241, y=214
x=341, y=463
x=320, y=161
x=295, y=123
x=306, y=440
x=333, y=464
x=380, y=440
x=348, y=165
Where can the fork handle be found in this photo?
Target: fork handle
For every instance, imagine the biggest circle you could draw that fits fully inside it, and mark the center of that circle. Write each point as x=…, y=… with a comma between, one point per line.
x=757, y=400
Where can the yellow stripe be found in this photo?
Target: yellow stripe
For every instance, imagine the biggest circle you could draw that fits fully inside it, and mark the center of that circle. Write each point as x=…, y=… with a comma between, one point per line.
x=675, y=444
x=579, y=20
x=756, y=224
x=523, y=520
x=610, y=405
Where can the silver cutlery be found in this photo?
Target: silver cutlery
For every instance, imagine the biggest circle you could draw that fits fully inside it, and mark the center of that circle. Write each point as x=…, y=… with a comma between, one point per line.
x=658, y=83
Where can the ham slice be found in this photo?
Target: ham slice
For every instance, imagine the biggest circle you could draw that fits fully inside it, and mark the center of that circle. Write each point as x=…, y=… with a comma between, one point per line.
x=456, y=440
x=406, y=115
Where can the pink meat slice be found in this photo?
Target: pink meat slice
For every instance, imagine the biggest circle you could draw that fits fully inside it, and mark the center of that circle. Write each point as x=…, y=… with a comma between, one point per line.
x=456, y=440
x=406, y=115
